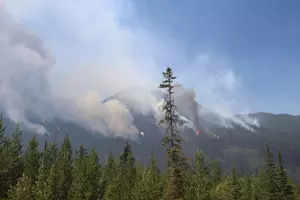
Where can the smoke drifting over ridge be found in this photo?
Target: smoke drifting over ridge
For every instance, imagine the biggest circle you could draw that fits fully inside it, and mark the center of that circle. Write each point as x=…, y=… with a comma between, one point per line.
x=27, y=88
x=35, y=83
x=24, y=66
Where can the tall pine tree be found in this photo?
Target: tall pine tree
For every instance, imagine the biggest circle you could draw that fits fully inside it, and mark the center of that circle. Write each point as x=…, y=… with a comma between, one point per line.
x=173, y=141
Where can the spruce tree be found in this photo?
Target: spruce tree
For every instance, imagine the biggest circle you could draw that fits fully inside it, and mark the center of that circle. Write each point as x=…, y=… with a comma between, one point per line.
x=48, y=183
x=81, y=153
x=32, y=160
x=285, y=188
x=11, y=162
x=270, y=185
x=62, y=169
x=42, y=189
x=128, y=171
x=127, y=163
x=87, y=171
x=53, y=183
x=124, y=177
x=94, y=175
x=173, y=141
x=110, y=169
x=114, y=190
x=148, y=184
x=153, y=181
x=198, y=183
x=49, y=155
x=77, y=190
x=224, y=190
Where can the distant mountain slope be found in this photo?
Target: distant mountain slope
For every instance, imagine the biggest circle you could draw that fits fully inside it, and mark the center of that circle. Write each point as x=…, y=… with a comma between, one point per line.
x=279, y=122
x=236, y=141
x=235, y=146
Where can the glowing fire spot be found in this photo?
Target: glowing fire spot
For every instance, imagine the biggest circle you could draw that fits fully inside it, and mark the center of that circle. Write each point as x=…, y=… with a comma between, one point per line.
x=197, y=132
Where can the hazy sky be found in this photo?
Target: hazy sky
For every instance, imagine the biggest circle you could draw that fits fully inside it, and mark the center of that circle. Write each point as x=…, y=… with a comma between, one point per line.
x=242, y=54
x=260, y=38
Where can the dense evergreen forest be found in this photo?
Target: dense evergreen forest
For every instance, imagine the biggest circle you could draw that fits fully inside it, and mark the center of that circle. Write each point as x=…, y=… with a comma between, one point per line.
x=50, y=171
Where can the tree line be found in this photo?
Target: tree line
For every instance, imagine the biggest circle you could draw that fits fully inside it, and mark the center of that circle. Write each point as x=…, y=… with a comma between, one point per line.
x=48, y=171
x=53, y=172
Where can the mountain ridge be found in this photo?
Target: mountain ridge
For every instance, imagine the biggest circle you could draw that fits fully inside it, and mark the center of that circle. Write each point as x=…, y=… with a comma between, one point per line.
x=235, y=146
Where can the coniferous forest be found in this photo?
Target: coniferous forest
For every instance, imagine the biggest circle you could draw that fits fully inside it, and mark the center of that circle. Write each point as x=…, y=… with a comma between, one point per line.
x=51, y=171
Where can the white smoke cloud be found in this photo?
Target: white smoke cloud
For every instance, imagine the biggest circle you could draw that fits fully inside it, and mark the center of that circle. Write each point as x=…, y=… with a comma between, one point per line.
x=24, y=66
x=203, y=117
x=109, y=118
x=76, y=94
x=96, y=56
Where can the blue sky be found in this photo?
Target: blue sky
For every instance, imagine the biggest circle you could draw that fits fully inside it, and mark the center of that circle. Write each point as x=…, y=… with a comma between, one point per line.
x=242, y=55
x=260, y=38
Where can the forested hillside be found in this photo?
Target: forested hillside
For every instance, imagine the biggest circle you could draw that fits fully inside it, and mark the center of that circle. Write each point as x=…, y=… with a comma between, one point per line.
x=235, y=147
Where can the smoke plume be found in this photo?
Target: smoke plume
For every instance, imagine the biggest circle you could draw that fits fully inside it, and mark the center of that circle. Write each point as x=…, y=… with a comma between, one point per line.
x=24, y=66
x=93, y=55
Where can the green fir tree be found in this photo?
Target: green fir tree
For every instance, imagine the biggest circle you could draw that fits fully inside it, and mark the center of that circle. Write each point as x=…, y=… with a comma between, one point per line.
x=173, y=141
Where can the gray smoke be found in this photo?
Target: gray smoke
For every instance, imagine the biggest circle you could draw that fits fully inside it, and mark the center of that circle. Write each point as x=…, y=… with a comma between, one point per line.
x=31, y=94
x=185, y=100
x=34, y=85
x=24, y=66
x=203, y=118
